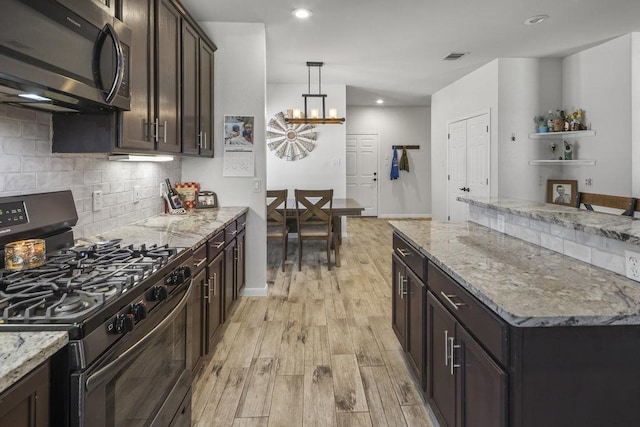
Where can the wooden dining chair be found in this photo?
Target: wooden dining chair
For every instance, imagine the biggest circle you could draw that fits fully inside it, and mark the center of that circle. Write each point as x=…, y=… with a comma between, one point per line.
x=314, y=213
x=277, y=219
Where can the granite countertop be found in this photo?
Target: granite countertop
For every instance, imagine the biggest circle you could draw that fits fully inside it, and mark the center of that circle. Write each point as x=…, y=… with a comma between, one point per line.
x=184, y=231
x=525, y=284
x=21, y=352
x=623, y=228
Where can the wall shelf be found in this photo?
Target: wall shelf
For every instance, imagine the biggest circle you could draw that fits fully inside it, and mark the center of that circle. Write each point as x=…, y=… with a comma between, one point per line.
x=580, y=162
x=557, y=135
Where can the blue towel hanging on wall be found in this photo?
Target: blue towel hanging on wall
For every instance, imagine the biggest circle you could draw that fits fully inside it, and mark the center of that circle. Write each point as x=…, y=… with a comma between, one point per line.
x=395, y=170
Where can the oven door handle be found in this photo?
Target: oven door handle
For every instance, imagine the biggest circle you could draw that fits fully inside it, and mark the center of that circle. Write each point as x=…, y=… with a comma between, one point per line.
x=108, y=371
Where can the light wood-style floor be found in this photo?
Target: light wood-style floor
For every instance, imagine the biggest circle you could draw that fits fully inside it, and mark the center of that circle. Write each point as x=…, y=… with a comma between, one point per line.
x=319, y=350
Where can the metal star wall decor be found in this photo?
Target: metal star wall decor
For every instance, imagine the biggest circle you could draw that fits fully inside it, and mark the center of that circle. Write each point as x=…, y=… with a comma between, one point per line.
x=290, y=141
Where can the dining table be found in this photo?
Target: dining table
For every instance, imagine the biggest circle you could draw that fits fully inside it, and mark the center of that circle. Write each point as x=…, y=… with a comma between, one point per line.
x=341, y=207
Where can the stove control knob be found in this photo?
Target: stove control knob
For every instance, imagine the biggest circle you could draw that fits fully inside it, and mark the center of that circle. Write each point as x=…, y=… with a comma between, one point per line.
x=124, y=323
x=139, y=310
x=159, y=293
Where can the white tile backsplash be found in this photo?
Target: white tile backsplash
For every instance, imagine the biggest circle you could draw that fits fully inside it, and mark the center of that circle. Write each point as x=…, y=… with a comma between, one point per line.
x=597, y=250
x=28, y=166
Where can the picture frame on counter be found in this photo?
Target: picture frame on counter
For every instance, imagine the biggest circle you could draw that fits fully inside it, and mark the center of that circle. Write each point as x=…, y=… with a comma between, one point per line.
x=562, y=191
x=206, y=200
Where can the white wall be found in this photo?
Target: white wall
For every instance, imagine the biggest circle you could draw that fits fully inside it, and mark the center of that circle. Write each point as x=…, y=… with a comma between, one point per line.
x=598, y=80
x=475, y=92
x=526, y=88
x=325, y=166
x=410, y=195
x=240, y=89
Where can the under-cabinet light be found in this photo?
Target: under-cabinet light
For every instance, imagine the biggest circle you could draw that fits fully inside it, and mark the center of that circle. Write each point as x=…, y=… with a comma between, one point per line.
x=139, y=158
x=33, y=97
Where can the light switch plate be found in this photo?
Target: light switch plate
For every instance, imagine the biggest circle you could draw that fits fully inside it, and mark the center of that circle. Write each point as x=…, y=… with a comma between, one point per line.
x=632, y=265
x=257, y=185
x=136, y=193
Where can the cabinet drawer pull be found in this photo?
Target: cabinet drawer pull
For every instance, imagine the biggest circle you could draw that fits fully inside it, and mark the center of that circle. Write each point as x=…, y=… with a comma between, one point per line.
x=404, y=252
x=199, y=263
x=452, y=347
x=455, y=305
x=217, y=245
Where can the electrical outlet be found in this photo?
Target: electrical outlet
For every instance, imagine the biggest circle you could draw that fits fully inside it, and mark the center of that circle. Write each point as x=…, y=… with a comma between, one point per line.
x=97, y=201
x=163, y=189
x=632, y=265
x=136, y=193
x=500, y=223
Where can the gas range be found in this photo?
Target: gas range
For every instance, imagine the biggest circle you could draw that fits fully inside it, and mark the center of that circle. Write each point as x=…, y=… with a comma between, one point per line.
x=74, y=283
x=126, y=310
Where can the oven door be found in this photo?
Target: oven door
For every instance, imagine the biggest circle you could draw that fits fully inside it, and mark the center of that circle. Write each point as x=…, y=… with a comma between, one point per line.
x=145, y=380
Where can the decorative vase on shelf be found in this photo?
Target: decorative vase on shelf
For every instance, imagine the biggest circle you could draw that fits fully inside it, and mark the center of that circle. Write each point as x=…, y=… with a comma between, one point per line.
x=542, y=129
x=558, y=125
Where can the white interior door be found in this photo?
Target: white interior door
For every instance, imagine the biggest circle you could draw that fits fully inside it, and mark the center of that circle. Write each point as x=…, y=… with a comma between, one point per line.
x=457, y=170
x=468, y=163
x=362, y=171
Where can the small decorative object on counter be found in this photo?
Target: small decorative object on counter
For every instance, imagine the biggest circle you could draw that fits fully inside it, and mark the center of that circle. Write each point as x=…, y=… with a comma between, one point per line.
x=206, y=199
x=24, y=254
x=550, y=118
x=174, y=202
x=541, y=124
x=188, y=192
x=575, y=118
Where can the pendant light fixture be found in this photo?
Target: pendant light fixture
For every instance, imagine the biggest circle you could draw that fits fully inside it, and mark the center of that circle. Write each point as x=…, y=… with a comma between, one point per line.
x=299, y=117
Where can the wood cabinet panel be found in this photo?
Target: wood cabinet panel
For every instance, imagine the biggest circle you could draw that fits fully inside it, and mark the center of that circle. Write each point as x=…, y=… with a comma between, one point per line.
x=137, y=123
x=197, y=331
x=229, y=277
x=26, y=403
x=416, y=294
x=399, y=306
x=206, y=99
x=190, y=95
x=213, y=304
x=168, y=77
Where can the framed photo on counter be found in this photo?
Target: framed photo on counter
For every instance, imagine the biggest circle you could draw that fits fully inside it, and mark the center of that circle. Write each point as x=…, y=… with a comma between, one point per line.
x=562, y=192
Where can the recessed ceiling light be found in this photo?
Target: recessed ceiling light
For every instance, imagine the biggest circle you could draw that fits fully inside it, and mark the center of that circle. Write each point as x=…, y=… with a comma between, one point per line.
x=301, y=13
x=538, y=19
x=379, y=101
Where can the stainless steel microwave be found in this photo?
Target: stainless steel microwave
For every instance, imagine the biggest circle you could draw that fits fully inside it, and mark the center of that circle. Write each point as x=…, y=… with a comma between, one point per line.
x=63, y=56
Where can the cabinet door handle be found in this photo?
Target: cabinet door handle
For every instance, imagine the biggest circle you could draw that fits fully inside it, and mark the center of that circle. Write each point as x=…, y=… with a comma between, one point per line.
x=206, y=292
x=200, y=140
x=164, y=128
x=205, y=140
x=402, y=281
x=404, y=252
x=455, y=305
x=199, y=263
x=446, y=348
x=452, y=347
x=215, y=284
x=156, y=129
x=211, y=288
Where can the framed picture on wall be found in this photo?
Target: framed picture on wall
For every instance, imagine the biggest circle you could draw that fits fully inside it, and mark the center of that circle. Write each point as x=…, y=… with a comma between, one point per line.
x=562, y=192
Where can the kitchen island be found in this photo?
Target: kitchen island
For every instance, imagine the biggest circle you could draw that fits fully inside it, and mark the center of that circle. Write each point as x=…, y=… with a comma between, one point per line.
x=519, y=335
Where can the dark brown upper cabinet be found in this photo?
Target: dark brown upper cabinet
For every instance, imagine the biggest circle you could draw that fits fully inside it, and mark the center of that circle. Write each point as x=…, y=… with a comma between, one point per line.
x=197, y=93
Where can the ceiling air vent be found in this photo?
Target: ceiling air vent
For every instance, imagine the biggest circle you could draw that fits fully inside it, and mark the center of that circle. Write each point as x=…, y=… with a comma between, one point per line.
x=454, y=56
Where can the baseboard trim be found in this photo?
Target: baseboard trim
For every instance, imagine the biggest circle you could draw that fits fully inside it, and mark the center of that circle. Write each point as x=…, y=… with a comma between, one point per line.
x=255, y=292
x=412, y=216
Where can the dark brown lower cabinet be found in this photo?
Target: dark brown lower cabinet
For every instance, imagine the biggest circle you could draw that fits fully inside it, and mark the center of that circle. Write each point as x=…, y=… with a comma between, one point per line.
x=240, y=264
x=466, y=387
x=398, y=302
x=213, y=300
x=416, y=296
x=229, y=277
x=197, y=330
x=26, y=403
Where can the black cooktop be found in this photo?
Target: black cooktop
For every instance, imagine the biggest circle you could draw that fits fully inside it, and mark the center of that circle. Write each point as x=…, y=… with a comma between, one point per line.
x=77, y=282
